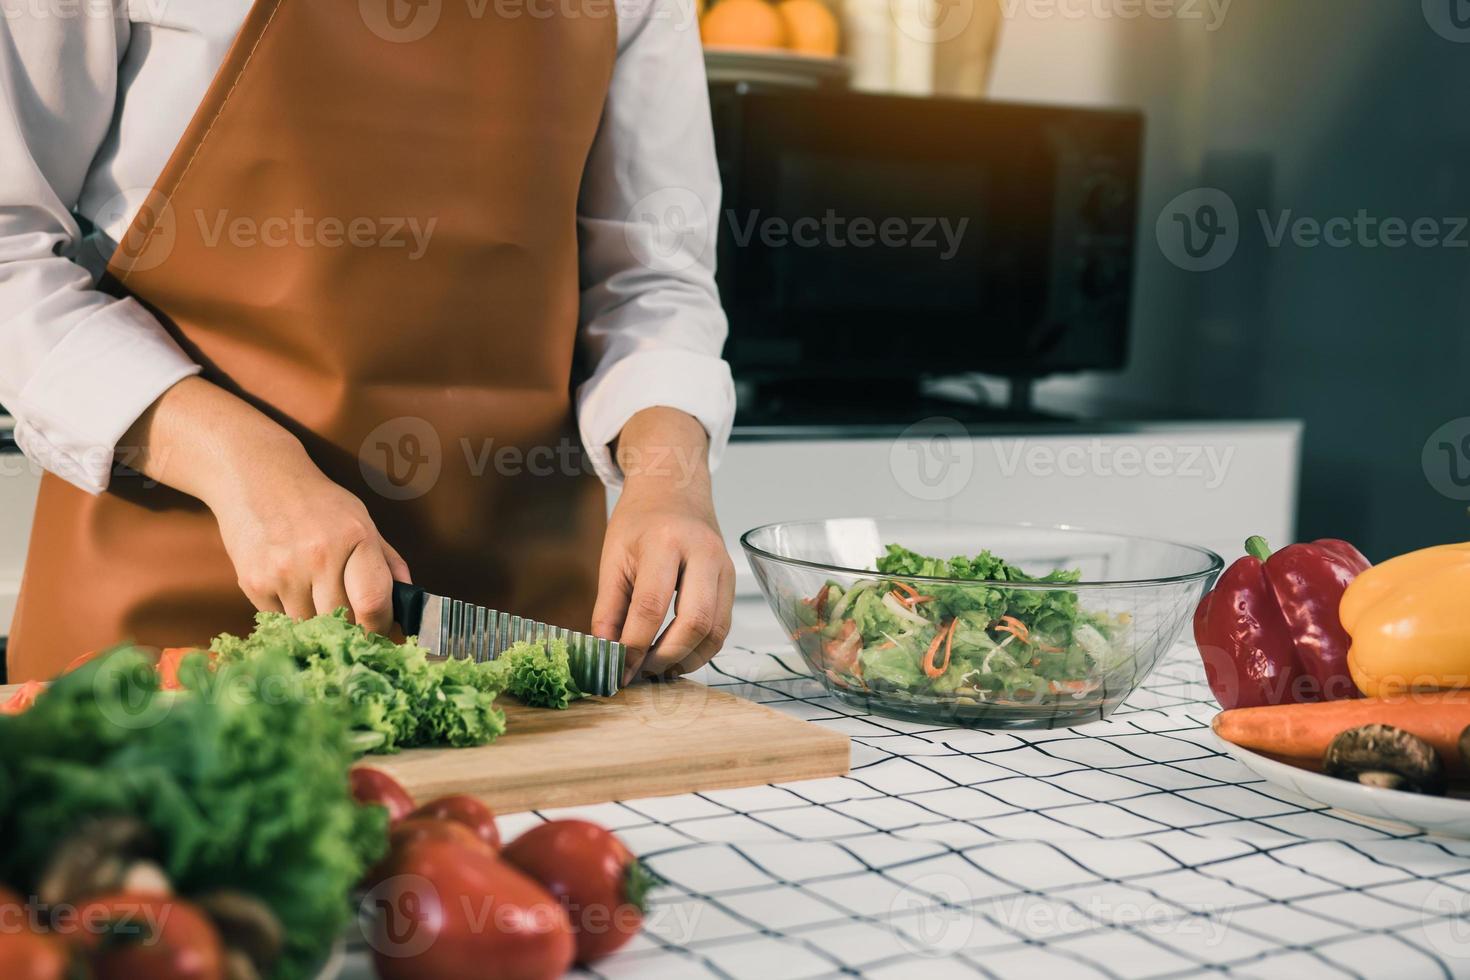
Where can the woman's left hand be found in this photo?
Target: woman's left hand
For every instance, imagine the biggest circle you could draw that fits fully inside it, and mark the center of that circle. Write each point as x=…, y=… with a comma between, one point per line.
x=664, y=547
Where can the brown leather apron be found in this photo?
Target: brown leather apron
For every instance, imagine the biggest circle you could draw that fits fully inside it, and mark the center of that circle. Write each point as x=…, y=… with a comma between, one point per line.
x=368, y=231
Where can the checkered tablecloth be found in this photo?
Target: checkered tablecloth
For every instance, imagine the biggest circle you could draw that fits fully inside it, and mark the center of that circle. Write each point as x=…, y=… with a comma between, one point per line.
x=1131, y=847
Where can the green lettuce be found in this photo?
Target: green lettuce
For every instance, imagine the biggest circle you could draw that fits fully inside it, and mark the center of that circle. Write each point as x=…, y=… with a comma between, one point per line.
x=893, y=667
x=1051, y=614
x=538, y=674
x=241, y=780
x=396, y=697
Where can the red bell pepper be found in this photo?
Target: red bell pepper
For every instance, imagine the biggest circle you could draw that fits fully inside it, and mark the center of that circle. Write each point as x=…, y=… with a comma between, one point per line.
x=1269, y=632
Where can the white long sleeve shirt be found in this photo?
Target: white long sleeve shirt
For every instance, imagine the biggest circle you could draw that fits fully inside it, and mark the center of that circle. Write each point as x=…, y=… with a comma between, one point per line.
x=95, y=94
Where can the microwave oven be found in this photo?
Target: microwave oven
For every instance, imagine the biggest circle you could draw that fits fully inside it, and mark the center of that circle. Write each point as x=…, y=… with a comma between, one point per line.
x=867, y=237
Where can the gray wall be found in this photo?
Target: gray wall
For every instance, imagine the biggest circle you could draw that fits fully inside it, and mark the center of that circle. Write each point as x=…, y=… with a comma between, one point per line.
x=1323, y=108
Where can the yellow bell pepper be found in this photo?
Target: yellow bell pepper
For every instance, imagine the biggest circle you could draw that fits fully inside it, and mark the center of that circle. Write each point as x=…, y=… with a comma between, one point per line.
x=1409, y=619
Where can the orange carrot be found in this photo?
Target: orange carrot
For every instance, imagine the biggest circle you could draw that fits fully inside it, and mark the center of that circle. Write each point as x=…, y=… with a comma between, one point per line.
x=23, y=698
x=79, y=660
x=946, y=636
x=906, y=587
x=1020, y=633
x=1302, y=731
x=168, y=666
x=1018, y=628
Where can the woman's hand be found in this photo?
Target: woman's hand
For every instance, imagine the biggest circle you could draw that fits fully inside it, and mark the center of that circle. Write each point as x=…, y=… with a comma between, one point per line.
x=300, y=543
x=664, y=546
x=303, y=545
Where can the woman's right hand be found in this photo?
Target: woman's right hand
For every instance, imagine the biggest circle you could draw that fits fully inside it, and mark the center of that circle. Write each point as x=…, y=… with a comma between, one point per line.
x=300, y=543
x=303, y=545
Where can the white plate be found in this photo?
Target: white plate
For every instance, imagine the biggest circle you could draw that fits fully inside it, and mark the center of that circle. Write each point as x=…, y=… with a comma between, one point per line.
x=773, y=66
x=1432, y=814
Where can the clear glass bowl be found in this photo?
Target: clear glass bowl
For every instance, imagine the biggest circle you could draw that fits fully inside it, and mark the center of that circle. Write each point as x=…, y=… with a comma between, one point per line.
x=978, y=653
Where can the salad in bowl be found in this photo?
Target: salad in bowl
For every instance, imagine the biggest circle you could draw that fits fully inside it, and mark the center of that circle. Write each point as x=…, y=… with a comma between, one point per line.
x=1045, y=627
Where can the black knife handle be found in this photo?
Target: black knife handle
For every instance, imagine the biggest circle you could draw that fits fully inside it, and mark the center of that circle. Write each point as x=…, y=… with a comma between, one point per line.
x=408, y=607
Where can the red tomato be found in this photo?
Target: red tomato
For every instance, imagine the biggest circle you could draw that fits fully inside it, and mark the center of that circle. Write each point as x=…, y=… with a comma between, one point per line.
x=27, y=955
x=464, y=810
x=593, y=874
x=449, y=912
x=374, y=787
x=155, y=936
x=411, y=830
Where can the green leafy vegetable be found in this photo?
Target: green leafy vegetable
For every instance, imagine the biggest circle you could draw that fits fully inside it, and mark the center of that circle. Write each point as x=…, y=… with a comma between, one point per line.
x=394, y=693
x=539, y=674
x=241, y=778
x=991, y=635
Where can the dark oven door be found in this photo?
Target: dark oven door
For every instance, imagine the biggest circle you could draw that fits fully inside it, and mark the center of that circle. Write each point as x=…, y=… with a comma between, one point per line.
x=863, y=234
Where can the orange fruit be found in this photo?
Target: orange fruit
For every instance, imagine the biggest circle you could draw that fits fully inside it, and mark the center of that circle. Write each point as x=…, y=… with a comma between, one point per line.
x=810, y=27
x=743, y=24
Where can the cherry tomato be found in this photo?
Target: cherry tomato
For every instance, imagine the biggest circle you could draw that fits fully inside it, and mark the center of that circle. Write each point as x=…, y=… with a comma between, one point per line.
x=374, y=787
x=593, y=874
x=464, y=810
x=26, y=955
x=412, y=830
x=155, y=936
x=450, y=912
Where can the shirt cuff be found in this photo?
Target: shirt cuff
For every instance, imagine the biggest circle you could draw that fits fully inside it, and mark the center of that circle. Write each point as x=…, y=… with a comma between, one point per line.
x=696, y=384
x=90, y=389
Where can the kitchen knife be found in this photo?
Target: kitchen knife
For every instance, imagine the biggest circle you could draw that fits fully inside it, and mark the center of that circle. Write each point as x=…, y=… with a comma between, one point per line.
x=450, y=628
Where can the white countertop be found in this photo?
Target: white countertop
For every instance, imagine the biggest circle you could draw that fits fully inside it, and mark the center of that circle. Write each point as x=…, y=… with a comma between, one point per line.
x=1130, y=847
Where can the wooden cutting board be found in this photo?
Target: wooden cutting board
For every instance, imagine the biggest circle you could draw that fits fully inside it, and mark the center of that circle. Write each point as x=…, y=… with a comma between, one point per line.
x=649, y=740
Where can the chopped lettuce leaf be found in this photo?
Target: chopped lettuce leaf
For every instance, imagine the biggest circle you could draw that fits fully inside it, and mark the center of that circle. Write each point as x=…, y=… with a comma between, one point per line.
x=391, y=690
x=893, y=667
x=538, y=674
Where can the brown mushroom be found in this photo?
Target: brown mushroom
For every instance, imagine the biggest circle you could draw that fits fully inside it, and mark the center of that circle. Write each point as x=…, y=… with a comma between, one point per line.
x=1387, y=757
x=246, y=925
x=102, y=854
